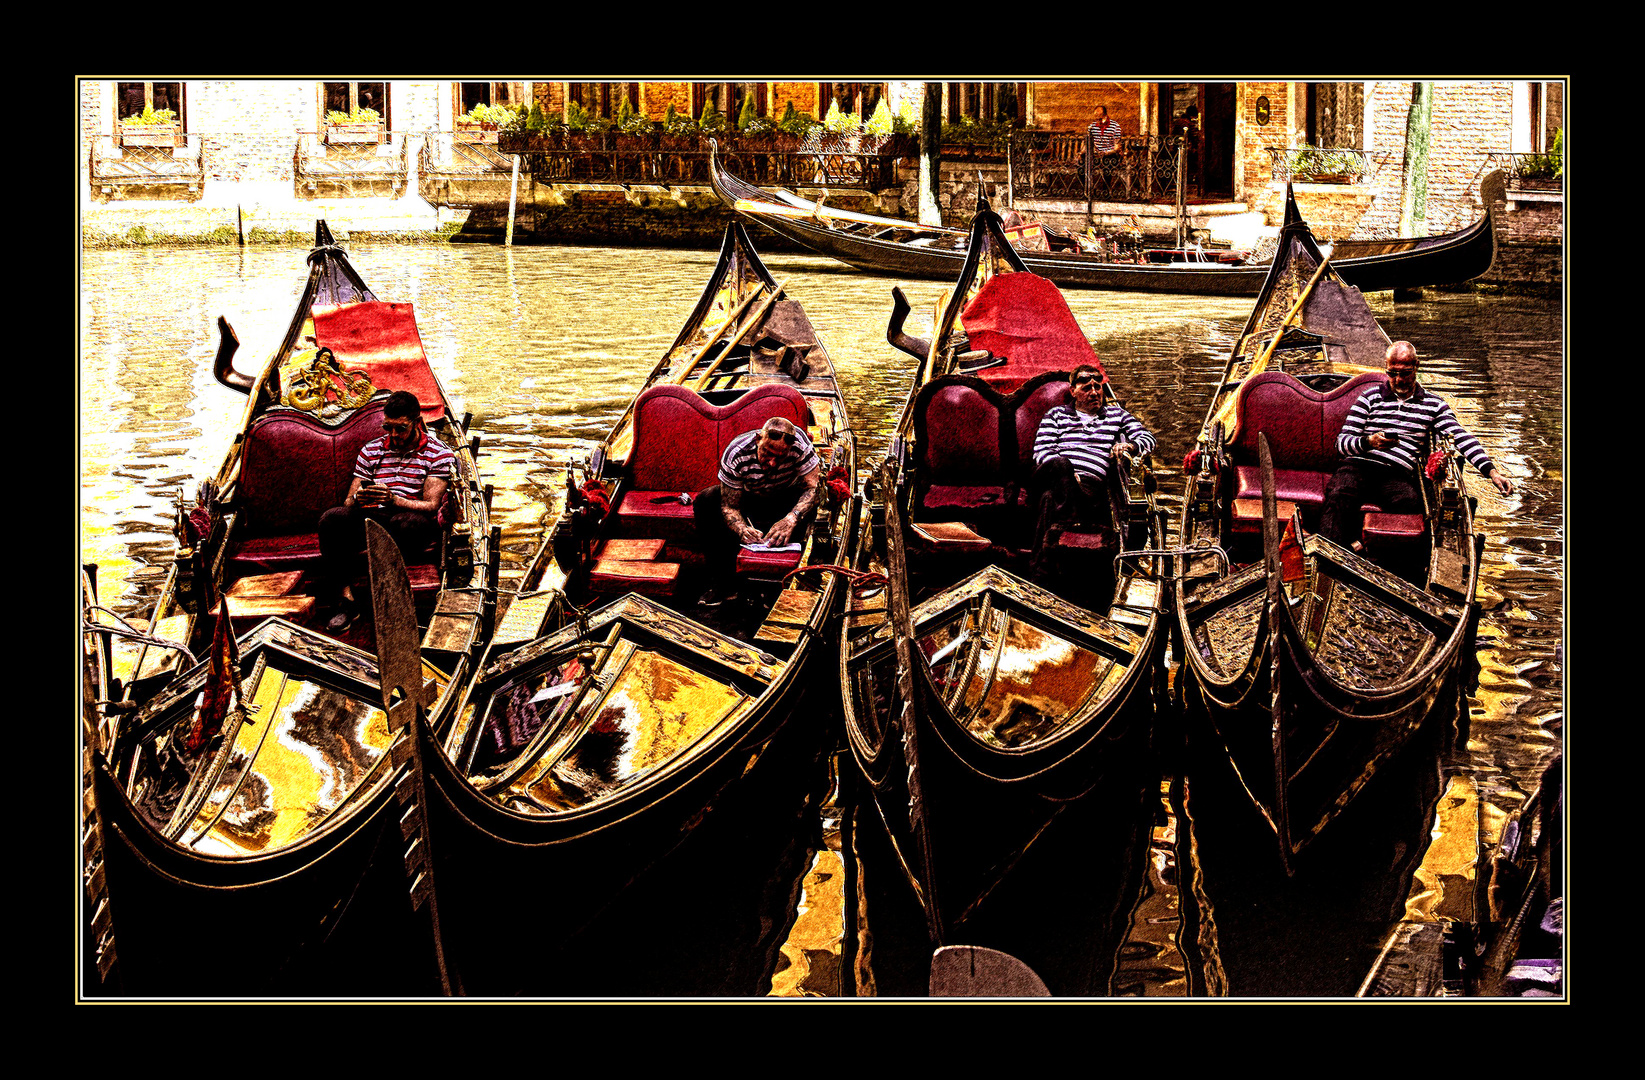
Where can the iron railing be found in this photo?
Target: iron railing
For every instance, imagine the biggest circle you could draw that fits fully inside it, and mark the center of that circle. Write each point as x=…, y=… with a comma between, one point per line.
x=1527, y=171
x=616, y=158
x=148, y=166
x=1318, y=164
x=318, y=162
x=1064, y=165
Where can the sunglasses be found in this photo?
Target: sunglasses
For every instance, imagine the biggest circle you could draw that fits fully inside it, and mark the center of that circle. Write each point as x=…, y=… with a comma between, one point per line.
x=1086, y=380
x=781, y=436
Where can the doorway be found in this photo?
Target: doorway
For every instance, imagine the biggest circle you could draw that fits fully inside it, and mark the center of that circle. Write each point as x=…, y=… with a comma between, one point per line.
x=1203, y=113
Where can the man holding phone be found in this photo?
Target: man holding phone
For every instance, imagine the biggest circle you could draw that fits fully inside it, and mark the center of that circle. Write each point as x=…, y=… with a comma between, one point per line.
x=399, y=481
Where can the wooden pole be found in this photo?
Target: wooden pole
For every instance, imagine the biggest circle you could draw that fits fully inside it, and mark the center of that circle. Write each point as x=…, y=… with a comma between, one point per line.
x=747, y=329
x=513, y=189
x=714, y=339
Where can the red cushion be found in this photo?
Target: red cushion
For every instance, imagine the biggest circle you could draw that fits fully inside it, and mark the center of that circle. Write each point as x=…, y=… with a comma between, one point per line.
x=1301, y=423
x=957, y=433
x=1034, y=403
x=271, y=554
x=295, y=468
x=648, y=577
x=962, y=497
x=767, y=564
x=1089, y=541
x=1294, y=485
x=1393, y=527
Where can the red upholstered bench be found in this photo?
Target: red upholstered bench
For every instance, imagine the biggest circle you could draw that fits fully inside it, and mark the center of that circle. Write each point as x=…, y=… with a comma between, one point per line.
x=294, y=468
x=1383, y=532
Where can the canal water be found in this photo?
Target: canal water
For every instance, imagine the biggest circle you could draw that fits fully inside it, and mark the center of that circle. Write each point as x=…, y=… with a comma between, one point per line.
x=1173, y=892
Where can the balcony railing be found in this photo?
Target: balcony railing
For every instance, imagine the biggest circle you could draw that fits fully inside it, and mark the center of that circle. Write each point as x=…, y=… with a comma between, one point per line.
x=1528, y=172
x=615, y=158
x=1318, y=165
x=352, y=163
x=1064, y=165
x=148, y=166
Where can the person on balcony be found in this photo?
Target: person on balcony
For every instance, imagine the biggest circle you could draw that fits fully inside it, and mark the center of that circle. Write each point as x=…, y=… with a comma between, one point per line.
x=769, y=489
x=1387, y=430
x=399, y=481
x=1072, y=451
x=1105, y=134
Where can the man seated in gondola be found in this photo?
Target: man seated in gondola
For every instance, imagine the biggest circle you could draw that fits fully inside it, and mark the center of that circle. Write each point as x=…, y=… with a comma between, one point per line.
x=1072, y=451
x=399, y=481
x=1382, y=442
x=770, y=485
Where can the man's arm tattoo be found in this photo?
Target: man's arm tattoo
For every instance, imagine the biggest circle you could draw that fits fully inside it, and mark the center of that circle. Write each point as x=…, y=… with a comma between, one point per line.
x=730, y=501
x=810, y=496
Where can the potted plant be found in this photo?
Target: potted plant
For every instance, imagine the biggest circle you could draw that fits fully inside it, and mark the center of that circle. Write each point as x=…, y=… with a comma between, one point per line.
x=1542, y=172
x=151, y=128
x=1314, y=165
x=355, y=126
x=482, y=123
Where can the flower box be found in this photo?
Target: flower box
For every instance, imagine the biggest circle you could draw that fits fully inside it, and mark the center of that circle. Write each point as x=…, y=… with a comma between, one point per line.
x=152, y=134
x=354, y=132
x=471, y=132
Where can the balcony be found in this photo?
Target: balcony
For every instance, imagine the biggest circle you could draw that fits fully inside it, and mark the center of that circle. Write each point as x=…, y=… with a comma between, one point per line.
x=1530, y=177
x=166, y=172
x=347, y=169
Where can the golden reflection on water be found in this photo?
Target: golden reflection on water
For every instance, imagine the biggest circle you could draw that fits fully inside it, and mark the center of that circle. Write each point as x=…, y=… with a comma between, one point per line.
x=547, y=345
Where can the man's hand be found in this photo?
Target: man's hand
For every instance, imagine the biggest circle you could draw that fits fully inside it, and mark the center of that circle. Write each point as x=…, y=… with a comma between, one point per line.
x=781, y=531
x=748, y=534
x=372, y=496
x=1381, y=440
x=1122, y=447
x=1501, y=480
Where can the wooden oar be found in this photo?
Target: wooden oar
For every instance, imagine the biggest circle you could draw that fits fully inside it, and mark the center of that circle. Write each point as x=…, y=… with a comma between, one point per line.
x=973, y=971
x=1268, y=353
x=747, y=329
x=731, y=320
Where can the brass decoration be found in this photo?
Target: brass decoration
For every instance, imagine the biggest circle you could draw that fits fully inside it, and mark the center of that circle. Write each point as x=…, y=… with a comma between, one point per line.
x=312, y=380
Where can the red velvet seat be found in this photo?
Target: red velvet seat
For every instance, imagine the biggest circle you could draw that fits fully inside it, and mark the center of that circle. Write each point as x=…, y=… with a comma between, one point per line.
x=679, y=439
x=295, y=468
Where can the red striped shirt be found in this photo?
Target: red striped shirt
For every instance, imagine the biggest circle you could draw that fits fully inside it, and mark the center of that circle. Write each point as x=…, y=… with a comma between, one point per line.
x=404, y=473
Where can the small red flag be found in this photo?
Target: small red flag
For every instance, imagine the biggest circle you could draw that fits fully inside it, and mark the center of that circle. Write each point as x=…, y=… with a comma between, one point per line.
x=222, y=685
x=1291, y=561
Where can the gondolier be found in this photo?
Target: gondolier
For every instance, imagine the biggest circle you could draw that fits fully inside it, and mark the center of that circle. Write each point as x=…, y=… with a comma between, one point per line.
x=770, y=480
x=1105, y=133
x=1382, y=443
x=399, y=480
x=1072, y=449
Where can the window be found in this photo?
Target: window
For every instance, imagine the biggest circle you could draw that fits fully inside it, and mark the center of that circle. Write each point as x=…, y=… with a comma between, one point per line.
x=131, y=98
x=351, y=97
x=605, y=99
x=987, y=103
x=728, y=98
x=1335, y=115
x=1547, y=114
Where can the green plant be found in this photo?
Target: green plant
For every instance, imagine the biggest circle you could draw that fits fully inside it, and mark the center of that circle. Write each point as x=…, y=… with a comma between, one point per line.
x=906, y=121
x=576, y=117
x=1311, y=162
x=796, y=123
x=678, y=123
x=712, y=121
x=747, y=115
x=536, y=121
x=881, y=122
x=630, y=120
x=150, y=116
x=839, y=122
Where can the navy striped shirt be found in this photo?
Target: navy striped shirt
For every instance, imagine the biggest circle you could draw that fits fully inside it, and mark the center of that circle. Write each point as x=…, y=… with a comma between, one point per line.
x=403, y=473
x=1087, y=439
x=740, y=466
x=1104, y=134
x=1411, y=420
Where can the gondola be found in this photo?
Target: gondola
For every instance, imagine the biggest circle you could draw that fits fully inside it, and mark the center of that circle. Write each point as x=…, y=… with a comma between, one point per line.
x=978, y=703
x=246, y=839
x=580, y=759
x=1313, y=662
x=910, y=250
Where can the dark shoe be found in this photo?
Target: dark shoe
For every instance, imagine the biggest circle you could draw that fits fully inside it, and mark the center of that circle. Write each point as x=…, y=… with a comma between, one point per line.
x=346, y=614
x=714, y=597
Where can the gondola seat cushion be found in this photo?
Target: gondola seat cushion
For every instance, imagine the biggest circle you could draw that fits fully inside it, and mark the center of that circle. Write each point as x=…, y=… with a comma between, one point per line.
x=960, y=463
x=1024, y=318
x=1382, y=529
x=766, y=565
x=679, y=438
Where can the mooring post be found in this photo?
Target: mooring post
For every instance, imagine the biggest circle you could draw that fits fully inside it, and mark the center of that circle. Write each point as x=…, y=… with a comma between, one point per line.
x=513, y=188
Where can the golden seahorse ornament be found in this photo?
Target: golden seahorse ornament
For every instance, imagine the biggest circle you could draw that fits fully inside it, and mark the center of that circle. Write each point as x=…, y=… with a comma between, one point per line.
x=313, y=377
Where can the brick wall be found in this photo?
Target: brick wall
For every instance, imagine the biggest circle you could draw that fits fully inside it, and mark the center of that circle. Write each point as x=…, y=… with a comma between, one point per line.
x=656, y=97
x=1254, y=164
x=1071, y=106
x=802, y=94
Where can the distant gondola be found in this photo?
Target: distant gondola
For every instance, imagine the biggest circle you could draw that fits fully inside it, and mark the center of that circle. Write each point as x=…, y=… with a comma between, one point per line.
x=583, y=757
x=1314, y=662
x=245, y=839
x=909, y=249
x=978, y=703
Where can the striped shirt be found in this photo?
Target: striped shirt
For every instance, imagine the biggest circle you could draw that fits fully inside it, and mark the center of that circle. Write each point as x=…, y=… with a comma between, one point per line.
x=403, y=473
x=740, y=467
x=1411, y=420
x=1104, y=134
x=1086, y=439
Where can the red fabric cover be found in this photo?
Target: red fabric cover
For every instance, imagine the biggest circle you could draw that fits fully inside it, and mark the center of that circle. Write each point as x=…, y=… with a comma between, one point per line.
x=272, y=554
x=1293, y=485
x=1089, y=541
x=961, y=443
x=381, y=339
x=679, y=437
x=1024, y=318
x=1393, y=527
x=940, y=497
x=296, y=468
x=639, y=504
x=767, y=564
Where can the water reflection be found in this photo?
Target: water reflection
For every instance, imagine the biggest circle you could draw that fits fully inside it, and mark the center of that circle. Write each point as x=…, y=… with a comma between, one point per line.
x=546, y=345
